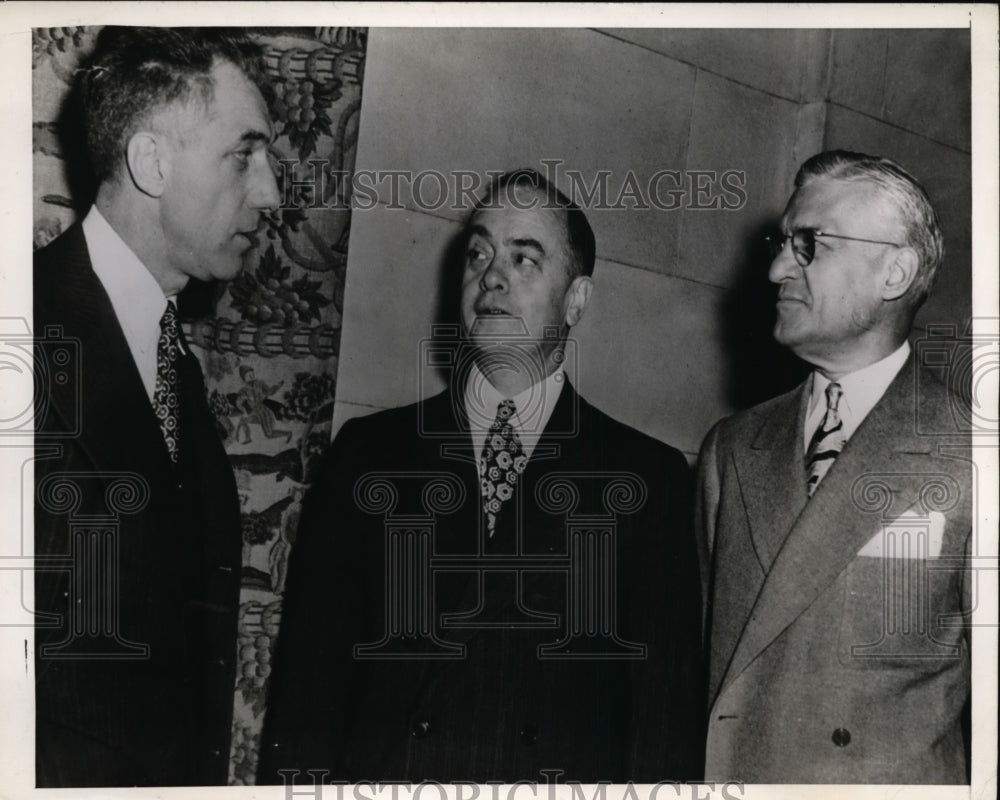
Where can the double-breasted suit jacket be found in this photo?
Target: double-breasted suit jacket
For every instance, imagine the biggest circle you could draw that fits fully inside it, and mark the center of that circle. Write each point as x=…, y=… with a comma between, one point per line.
x=135, y=639
x=507, y=692
x=837, y=638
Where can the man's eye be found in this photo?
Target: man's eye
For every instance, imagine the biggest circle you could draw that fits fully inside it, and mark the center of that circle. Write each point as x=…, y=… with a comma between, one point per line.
x=243, y=158
x=523, y=259
x=475, y=255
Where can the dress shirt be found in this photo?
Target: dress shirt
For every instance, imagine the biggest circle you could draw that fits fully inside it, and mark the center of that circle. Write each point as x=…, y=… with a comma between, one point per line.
x=534, y=408
x=861, y=391
x=135, y=295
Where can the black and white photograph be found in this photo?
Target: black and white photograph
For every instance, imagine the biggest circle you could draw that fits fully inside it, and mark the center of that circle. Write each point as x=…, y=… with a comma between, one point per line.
x=561, y=401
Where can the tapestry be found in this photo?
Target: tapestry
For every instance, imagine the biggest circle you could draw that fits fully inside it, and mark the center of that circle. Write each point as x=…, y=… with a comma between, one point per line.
x=268, y=341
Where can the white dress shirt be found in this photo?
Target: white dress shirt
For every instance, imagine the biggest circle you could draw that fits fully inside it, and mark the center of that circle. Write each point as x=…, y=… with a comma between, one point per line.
x=135, y=295
x=534, y=408
x=861, y=390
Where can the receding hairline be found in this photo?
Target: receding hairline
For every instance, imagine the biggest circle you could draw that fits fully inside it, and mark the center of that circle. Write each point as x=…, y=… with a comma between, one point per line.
x=200, y=100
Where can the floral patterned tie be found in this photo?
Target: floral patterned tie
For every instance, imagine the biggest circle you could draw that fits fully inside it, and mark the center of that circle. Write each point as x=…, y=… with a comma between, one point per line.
x=503, y=460
x=165, y=397
x=827, y=442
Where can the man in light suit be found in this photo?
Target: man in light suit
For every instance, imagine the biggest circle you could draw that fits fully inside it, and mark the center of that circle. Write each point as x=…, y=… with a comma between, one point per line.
x=434, y=626
x=835, y=519
x=137, y=536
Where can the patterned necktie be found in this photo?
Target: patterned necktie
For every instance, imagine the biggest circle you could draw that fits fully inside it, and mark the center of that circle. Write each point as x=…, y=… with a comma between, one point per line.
x=165, y=397
x=502, y=462
x=827, y=442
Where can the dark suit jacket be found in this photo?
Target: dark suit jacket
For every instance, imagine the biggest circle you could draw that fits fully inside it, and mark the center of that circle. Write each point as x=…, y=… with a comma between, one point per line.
x=838, y=646
x=499, y=710
x=107, y=713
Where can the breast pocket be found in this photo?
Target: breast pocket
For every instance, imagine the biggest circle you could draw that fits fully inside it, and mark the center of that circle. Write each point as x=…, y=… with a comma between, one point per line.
x=900, y=613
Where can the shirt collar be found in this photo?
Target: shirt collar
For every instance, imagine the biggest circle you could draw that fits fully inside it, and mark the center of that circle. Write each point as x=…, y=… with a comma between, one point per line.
x=863, y=388
x=534, y=407
x=135, y=295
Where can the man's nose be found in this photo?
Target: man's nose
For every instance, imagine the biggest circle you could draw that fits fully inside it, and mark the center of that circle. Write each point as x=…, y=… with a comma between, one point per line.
x=784, y=266
x=264, y=194
x=494, y=276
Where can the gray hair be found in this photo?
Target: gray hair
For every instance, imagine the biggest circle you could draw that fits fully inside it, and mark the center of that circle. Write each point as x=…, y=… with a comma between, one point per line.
x=922, y=229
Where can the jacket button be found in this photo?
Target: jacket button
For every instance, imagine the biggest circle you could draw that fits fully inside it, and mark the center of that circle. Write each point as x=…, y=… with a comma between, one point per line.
x=420, y=729
x=841, y=737
x=528, y=734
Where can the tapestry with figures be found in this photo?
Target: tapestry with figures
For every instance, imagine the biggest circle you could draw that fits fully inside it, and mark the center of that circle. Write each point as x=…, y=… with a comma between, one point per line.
x=268, y=341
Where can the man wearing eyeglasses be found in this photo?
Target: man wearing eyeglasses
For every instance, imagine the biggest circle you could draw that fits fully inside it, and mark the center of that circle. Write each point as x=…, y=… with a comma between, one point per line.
x=836, y=530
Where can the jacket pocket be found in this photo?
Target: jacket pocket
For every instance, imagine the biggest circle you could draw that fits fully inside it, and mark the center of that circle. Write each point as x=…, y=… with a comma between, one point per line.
x=900, y=613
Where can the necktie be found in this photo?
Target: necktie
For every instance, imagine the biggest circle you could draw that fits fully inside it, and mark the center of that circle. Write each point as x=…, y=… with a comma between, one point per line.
x=502, y=462
x=165, y=396
x=827, y=442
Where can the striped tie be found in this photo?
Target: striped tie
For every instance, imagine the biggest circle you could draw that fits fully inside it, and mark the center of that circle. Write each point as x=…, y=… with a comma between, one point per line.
x=827, y=442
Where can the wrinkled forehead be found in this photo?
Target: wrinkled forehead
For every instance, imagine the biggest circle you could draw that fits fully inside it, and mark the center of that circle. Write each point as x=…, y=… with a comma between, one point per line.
x=516, y=212
x=856, y=206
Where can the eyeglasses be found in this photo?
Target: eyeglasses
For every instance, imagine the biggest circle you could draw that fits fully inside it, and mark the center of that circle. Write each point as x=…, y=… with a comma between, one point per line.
x=804, y=243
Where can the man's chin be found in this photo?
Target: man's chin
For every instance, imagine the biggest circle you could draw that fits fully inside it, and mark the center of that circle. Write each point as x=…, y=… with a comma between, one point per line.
x=228, y=270
x=491, y=327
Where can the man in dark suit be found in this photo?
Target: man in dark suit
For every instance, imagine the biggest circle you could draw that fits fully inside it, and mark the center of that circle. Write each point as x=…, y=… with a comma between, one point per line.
x=837, y=517
x=137, y=537
x=498, y=582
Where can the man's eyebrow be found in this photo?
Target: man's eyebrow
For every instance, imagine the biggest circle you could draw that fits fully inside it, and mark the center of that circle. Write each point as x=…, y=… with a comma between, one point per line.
x=524, y=241
x=252, y=136
x=528, y=242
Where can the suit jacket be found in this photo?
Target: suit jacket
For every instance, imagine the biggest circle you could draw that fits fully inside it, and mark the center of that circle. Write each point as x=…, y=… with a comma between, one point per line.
x=499, y=708
x=838, y=652
x=134, y=677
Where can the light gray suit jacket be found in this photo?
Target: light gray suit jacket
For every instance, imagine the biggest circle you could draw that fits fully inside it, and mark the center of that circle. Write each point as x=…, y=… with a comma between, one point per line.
x=838, y=645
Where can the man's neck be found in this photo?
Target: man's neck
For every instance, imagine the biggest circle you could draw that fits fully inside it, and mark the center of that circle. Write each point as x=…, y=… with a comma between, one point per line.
x=511, y=376
x=127, y=215
x=835, y=366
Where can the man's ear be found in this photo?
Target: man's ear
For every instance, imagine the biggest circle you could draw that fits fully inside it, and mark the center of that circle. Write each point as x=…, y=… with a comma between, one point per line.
x=901, y=274
x=577, y=297
x=145, y=158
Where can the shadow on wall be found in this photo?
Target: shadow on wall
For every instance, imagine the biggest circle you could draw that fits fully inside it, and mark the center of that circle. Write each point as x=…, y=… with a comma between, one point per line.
x=758, y=368
x=447, y=308
x=80, y=180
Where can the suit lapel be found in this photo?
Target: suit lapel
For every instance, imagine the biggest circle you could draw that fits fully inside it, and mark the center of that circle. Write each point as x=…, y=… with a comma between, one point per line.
x=116, y=418
x=840, y=518
x=772, y=475
x=771, y=479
